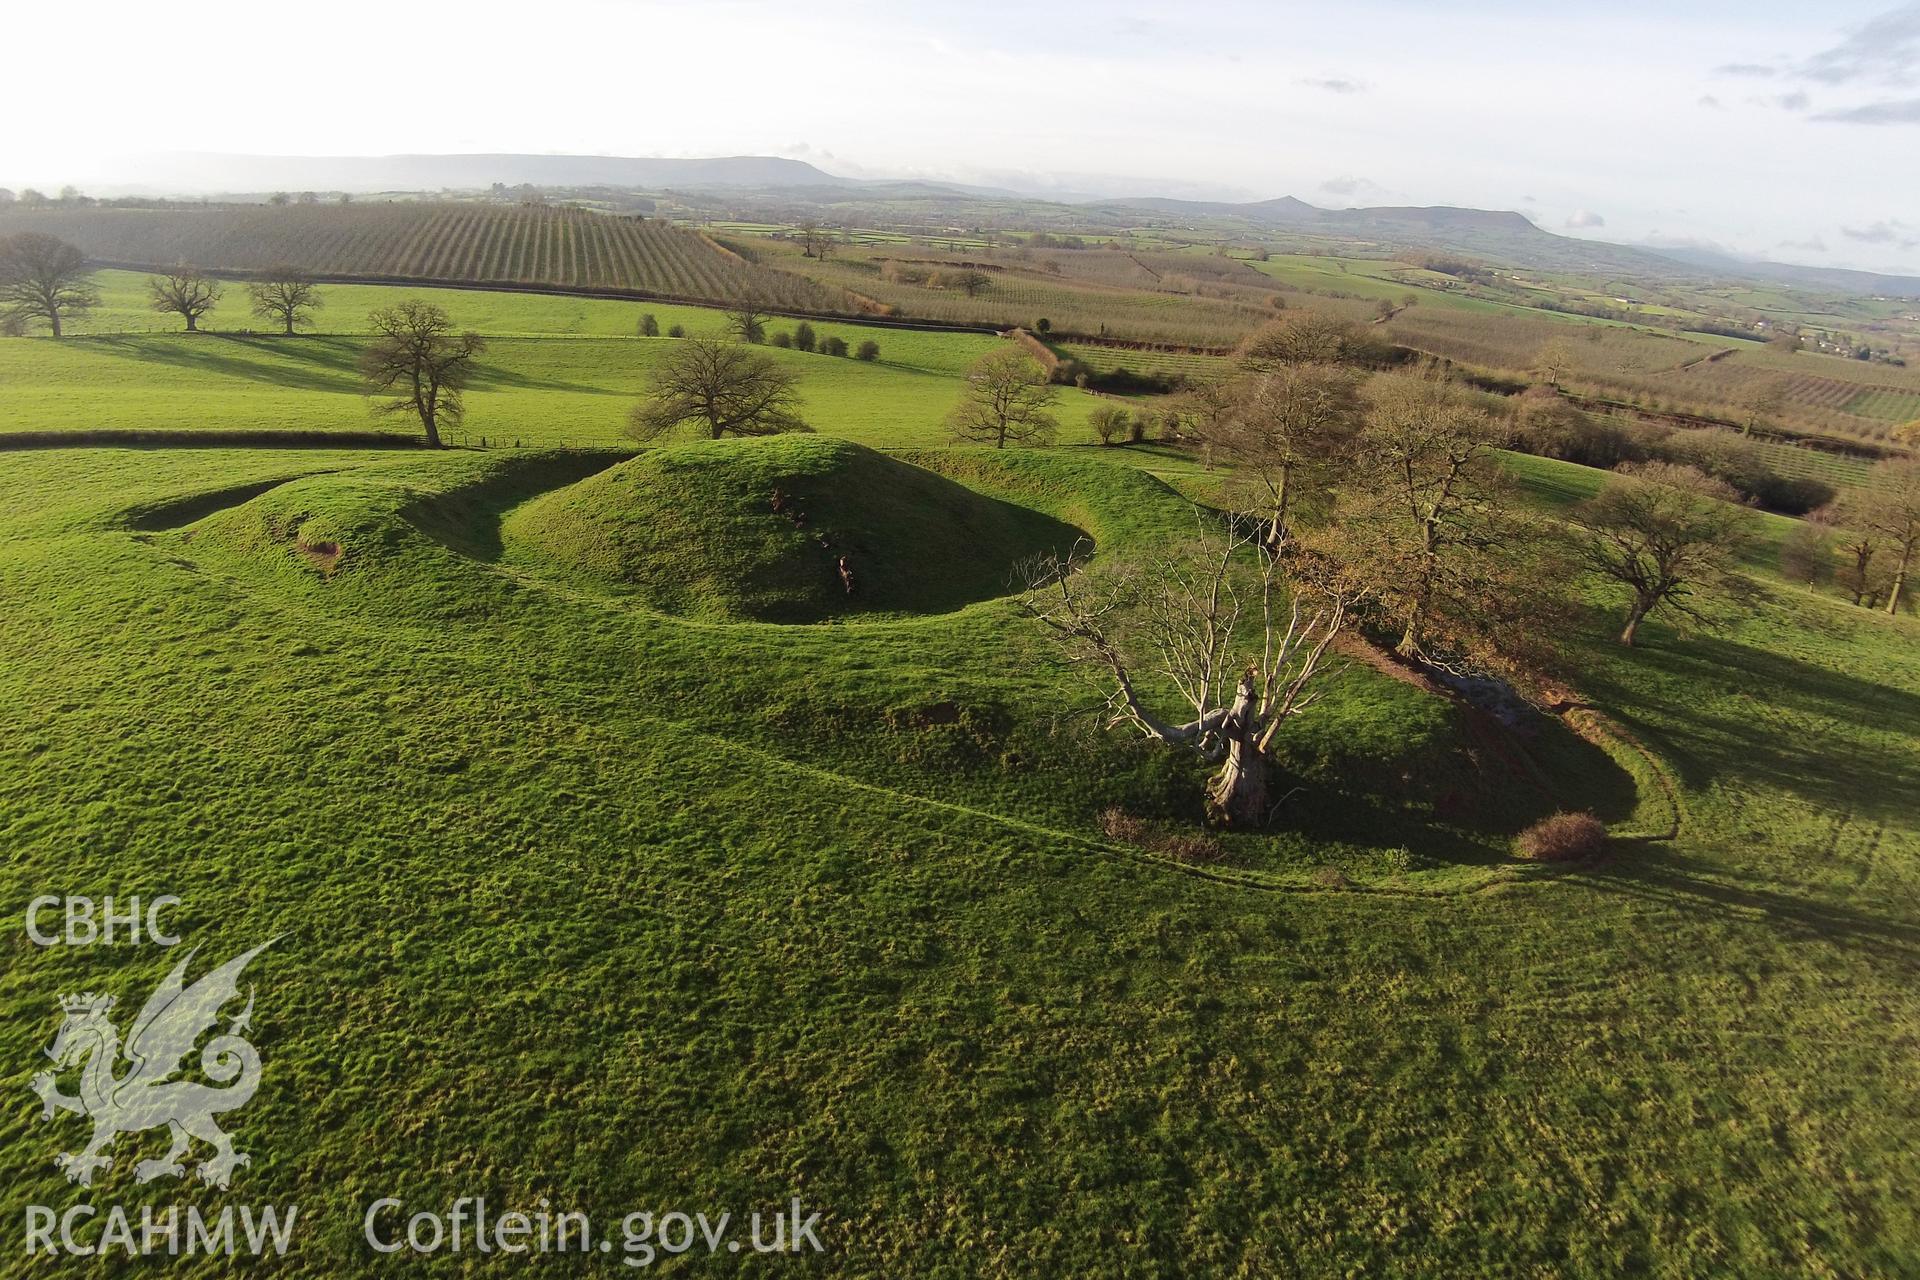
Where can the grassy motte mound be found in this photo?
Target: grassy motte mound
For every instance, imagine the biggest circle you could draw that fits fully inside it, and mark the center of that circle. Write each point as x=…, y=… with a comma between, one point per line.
x=763, y=529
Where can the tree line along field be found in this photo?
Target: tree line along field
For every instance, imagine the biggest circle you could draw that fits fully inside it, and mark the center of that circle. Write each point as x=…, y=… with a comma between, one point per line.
x=444, y=241
x=557, y=370
x=930, y=966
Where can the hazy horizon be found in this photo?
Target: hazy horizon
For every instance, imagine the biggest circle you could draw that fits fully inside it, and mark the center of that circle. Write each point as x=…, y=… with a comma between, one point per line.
x=1764, y=129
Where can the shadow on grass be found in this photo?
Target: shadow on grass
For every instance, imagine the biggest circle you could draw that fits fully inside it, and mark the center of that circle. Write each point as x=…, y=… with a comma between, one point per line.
x=179, y=513
x=1658, y=873
x=1458, y=797
x=1730, y=711
x=493, y=377
x=467, y=520
x=302, y=363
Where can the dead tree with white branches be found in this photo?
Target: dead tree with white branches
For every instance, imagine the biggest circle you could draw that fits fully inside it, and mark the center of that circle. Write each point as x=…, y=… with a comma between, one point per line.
x=1237, y=633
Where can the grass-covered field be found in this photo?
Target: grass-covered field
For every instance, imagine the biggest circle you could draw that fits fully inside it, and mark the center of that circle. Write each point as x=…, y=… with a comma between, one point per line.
x=596, y=886
x=558, y=370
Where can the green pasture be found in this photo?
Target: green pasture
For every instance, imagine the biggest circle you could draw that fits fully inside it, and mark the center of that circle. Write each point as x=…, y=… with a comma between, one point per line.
x=583, y=902
x=558, y=370
x=595, y=883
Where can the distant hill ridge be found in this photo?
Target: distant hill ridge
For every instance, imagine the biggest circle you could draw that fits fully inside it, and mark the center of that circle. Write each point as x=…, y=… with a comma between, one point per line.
x=1502, y=236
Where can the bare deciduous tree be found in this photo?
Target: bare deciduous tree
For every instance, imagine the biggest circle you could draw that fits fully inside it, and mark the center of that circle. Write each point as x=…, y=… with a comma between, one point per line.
x=815, y=240
x=1891, y=508
x=1763, y=404
x=1425, y=496
x=1553, y=361
x=747, y=320
x=972, y=283
x=187, y=292
x=43, y=278
x=1207, y=407
x=1007, y=399
x=1241, y=645
x=420, y=364
x=285, y=295
x=1661, y=531
x=1806, y=553
x=1290, y=430
x=719, y=388
x=1859, y=550
x=1305, y=338
x=1109, y=422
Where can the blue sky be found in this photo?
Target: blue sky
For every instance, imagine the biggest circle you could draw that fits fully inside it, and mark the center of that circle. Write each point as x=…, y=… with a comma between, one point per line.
x=1784, y=130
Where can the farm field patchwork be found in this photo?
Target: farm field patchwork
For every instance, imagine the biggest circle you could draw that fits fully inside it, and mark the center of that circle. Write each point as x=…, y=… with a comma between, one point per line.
x=426, y=240
x=1893, y=404
x=1095, y=292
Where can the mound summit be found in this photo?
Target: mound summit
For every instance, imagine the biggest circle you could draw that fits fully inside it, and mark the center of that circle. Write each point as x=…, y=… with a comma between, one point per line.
x=784, y=529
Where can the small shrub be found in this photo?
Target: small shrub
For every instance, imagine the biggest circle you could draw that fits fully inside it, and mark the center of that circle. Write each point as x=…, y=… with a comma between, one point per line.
x=649, y=326
x=1117, y=824
x=803, y=338
x=1328, y=878
x=1071, y=373
x=677, y=331
x=1196, y=847
x=1564, y=837
x=834, y=346
x=782, y=340
x=1109, y=422
x=1185, y=846
x=868, y=350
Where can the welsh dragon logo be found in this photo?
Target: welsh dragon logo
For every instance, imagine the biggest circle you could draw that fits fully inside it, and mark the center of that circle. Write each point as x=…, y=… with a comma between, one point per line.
x=144, y=1096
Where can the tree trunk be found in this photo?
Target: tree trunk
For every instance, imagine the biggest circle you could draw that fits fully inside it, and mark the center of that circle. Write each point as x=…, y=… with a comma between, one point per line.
x=1277, y=527
x=191, y=326
x=1634, y=615
x=1409, y=646
x=1899, y=584
x=1240, y=794
x=53, y=318
x=433, y=430
x=289, y=324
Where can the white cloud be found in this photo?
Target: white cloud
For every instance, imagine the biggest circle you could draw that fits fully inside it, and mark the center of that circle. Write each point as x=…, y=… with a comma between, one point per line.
x=1334, y=84
x=1213, y=99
